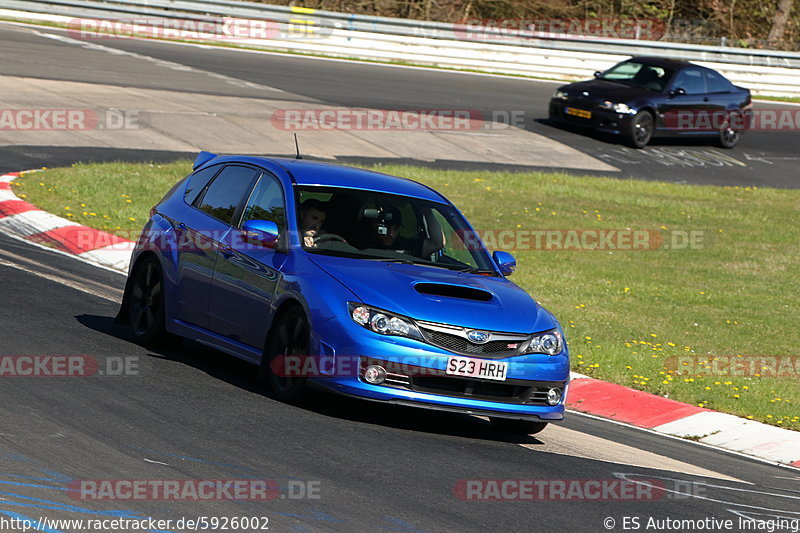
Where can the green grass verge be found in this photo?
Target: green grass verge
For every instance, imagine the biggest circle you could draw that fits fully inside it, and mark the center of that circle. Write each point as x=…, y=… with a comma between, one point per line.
x=626, y=313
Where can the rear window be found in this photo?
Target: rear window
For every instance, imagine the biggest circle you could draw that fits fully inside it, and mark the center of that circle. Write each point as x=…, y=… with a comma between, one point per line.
x=716, y=83
x=198, y=181
x=223, y=196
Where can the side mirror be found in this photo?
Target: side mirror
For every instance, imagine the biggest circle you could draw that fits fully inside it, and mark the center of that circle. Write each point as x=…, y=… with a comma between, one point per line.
x=260, y=232
x=597, y=73
x=677, y=91
x=505, y=261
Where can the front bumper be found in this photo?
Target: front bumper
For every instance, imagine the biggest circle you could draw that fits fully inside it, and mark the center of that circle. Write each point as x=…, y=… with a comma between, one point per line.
x=425, y=384
x=601, y=120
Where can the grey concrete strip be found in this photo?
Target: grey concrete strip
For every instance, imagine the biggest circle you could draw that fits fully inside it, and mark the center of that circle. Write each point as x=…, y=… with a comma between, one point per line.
x=181, y=121
x=573, y=443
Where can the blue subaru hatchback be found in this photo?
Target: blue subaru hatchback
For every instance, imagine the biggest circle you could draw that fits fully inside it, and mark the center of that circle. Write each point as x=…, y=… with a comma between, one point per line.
x=353, y=281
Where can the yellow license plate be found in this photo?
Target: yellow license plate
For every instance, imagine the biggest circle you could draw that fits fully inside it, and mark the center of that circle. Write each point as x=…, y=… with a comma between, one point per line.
x=578, y=112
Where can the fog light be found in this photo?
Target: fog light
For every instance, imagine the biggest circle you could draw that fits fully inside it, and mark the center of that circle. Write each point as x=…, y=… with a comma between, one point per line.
x=376, y=374
x=553, y=396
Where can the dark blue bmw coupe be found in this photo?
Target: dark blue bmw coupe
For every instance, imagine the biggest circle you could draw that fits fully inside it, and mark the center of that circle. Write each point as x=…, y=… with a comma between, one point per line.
x=645, y=97
x=353, y=281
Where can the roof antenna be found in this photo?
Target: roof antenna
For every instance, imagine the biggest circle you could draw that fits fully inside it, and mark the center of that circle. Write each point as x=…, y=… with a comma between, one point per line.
x=297, y=147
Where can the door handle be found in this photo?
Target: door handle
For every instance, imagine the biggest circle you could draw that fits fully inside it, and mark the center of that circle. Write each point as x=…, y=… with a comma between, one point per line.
x=226, y=251
x=181, y=227
x=705, y=99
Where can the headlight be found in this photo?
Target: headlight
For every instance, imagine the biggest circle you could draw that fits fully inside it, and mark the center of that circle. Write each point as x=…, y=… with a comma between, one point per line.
x=549, y=342
x=382, y=322
x=617, y=108
x=561, y=95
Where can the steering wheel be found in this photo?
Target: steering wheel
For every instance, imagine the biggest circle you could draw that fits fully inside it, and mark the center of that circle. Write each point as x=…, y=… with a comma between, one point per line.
x=328, y=237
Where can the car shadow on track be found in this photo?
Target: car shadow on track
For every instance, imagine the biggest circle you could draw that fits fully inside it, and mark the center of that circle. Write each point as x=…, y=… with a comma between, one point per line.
x=617, y=140
x=241, y=374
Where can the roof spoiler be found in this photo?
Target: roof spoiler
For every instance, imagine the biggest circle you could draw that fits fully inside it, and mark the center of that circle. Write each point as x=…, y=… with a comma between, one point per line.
x=202, y=158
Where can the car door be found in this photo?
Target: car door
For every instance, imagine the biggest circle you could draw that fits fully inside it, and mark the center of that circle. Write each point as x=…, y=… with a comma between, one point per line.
x=686, y=109
x=246, y=274
x=199, y=233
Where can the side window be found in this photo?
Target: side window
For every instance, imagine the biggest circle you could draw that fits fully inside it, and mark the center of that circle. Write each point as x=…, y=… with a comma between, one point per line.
x=716, y=83
x=223, y=196
x=691, y=80
x=266, y=202
x=197, y=183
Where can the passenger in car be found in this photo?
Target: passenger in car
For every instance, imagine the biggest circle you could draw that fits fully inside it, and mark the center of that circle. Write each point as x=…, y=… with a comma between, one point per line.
x=385, y=231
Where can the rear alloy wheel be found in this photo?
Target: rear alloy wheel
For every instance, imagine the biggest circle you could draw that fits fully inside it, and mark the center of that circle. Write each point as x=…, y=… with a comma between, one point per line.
x=291, y=337
x=146, y=314
x=729, y=137
x=641, y=129
x=520, y=427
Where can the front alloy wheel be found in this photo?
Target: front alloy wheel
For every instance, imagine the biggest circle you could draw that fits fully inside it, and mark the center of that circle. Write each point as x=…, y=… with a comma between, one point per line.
x=641, y=129
x=291, y=337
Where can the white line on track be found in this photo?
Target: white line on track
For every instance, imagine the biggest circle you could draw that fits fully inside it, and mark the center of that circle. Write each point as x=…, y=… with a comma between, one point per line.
x=305, y=56
x=160, y=62
x=37, y=269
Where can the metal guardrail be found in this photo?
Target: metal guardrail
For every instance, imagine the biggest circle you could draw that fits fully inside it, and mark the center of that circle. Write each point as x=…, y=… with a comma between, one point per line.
x=434, y=43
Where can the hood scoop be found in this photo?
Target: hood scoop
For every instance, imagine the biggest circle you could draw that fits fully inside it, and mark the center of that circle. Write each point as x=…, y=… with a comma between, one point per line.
x=453, y=291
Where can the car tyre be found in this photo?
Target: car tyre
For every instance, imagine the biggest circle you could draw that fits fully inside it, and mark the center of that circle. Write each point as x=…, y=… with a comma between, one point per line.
x=729, y=137
x=290, y=336
x=146, y=306
x=641, y=129
x=520, y=427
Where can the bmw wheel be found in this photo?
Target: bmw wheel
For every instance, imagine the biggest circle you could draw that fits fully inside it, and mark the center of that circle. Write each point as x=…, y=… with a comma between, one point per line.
x=729, y=137
x=641, y=129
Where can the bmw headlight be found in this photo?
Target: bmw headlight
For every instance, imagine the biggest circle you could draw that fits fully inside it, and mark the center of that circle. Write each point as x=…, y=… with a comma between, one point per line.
x=616, y=107
x=382, y=322
x=560, y=95
x=549, y=342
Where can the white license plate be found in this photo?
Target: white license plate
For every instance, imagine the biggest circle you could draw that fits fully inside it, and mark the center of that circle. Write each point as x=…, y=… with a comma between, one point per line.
x=476, y=368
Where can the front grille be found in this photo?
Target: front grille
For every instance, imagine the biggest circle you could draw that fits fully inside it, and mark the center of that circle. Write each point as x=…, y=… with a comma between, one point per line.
x=455, y=343
x=520, y=392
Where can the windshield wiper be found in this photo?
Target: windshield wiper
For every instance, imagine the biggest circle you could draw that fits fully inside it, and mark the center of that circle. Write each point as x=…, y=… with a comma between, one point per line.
x=476, y=270
x=392, y=260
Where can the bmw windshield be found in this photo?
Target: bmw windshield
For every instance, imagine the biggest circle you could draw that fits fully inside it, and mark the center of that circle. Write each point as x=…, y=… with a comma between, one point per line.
x=652, y=77
x=379, y=226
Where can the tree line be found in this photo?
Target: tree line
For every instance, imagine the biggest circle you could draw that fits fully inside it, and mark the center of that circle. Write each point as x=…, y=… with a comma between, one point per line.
x=742, y=23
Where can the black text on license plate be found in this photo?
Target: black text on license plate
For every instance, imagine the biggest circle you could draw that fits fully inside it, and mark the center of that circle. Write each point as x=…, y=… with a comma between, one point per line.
x=476, y=368
x=578, y=112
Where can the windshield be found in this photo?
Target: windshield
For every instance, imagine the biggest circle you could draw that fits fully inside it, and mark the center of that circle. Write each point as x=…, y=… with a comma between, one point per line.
x=387, y=227
x=652, y=77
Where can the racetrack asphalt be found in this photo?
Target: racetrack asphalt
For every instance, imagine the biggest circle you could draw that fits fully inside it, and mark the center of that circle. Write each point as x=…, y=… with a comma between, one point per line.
x=761, y=159
x=192, y=412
